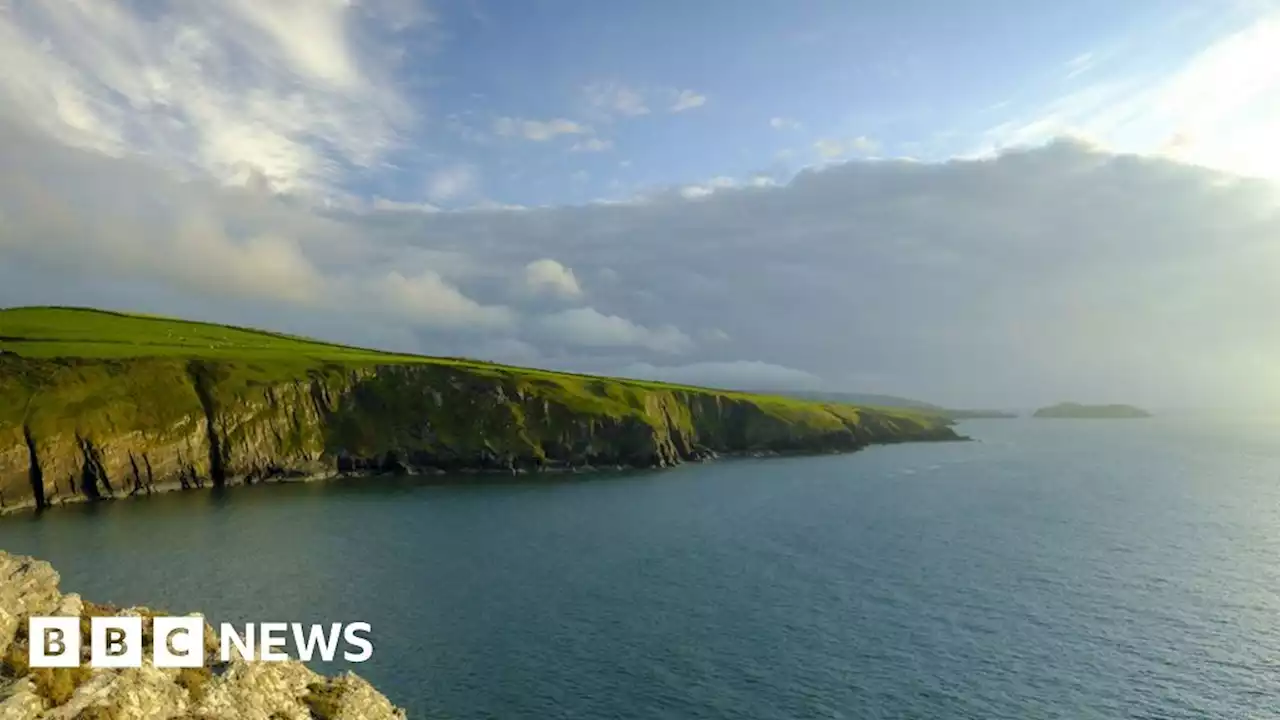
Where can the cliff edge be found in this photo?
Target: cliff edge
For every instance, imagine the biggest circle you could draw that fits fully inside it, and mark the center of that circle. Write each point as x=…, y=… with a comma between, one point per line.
x=165, y=404
x=238, y=690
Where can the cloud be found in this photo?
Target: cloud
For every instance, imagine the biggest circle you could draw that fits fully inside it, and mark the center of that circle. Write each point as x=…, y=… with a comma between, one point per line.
x=452, y=183
x=425, y=299
x=615, y=99
x=687, y=100
x=1220, y=106
x=538, y=130
x=1079, y=65
x=290, y=93
x=693, y=192
x=743, y=374
x=829, y=148
x=592, y=145
x=547, y=276
x=1025, y=276
x=125, y=224
x=587, y=327
x=380, y=203
x=781, y=123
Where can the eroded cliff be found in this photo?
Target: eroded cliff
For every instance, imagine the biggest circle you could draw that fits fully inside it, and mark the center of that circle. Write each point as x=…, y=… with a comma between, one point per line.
x=77, y=429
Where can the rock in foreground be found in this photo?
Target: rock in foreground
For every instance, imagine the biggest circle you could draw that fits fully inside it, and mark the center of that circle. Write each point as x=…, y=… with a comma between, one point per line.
x=238, y=690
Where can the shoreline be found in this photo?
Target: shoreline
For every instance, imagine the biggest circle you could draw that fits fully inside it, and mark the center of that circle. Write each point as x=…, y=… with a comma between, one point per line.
x=174, y=487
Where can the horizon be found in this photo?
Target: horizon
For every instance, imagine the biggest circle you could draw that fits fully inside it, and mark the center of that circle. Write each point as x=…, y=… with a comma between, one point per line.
x=1001, y=209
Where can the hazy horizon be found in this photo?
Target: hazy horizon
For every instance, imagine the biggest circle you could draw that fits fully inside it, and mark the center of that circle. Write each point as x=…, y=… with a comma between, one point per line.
x=992, y=207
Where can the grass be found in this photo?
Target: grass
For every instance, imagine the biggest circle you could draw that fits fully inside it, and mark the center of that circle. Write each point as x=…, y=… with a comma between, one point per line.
x=70, y=332
x=80, y=373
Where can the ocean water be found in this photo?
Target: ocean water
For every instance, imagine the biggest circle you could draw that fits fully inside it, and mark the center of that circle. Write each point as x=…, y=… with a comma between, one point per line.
x=1052, y=569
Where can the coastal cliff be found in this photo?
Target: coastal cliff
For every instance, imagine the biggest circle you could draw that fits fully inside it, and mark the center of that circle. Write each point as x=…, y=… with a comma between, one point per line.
x=87, y=428
x=237, y=690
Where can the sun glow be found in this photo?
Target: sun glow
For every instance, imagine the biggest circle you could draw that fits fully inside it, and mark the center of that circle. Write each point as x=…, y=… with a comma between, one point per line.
x=1226, y=104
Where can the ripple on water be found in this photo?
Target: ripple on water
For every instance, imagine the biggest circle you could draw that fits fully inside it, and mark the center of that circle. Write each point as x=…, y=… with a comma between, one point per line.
x=1052, y=570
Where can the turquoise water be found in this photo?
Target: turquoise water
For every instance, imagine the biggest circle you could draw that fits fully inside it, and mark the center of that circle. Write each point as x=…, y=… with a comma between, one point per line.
x=1054, y=569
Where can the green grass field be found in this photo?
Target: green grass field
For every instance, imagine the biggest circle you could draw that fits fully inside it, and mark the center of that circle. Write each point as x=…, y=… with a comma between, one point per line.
x=256, y=356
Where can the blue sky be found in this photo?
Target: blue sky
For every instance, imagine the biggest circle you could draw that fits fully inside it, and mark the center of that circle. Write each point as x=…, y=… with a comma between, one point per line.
x=921, y=79
x=975, y=203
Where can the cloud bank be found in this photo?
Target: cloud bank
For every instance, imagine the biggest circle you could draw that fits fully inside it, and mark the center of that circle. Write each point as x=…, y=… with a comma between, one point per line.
x=201, y=160
x=1062, y=271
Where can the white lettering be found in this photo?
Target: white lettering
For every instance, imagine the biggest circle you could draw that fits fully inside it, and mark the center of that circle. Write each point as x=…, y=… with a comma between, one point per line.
x=115, y=642
x=228, y=637
x=272, y=639
x=306, y=644
x=54, y=642
x=179, y=642
x=354, y=639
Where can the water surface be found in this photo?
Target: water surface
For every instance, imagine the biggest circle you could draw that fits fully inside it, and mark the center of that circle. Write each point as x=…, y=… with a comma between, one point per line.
x=1055, y=569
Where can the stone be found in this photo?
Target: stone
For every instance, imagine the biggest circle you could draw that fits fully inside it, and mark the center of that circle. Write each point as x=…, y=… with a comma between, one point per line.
x=242, y=690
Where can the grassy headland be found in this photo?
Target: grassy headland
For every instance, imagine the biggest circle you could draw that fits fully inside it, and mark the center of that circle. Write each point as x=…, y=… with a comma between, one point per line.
x=101, y=404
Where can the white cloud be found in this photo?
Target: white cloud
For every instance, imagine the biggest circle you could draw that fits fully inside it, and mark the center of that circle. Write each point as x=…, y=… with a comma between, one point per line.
x=864, y=144
x=546, y=276
x=1219, y=109
x=615, y=99
x=692, y=192
x=1072, y=270
x=538, y=130
x=592, y=145
x=425, y=299
x=742, y=374
x=687, y=100
x=830, y=149
x=1079, y=65
x=587, y=327
x=781, y=123
x=283, y=92
x=452, y=183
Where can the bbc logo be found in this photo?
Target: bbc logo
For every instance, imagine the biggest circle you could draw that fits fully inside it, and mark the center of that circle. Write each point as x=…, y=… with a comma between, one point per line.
x=116, y=642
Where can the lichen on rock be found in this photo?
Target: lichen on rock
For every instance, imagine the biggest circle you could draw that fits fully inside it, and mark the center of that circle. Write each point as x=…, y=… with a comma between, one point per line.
x=239, y=690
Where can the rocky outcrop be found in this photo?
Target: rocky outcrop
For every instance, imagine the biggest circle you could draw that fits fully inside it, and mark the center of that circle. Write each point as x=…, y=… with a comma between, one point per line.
x=238, y=690
x=92, y=429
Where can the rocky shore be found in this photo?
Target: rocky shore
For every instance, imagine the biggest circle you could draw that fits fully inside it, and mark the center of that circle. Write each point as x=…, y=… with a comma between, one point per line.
x=238, y=690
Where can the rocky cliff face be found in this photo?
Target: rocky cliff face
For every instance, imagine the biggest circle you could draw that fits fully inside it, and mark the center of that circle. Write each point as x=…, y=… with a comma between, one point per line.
x=91, y=429
x=238, y=690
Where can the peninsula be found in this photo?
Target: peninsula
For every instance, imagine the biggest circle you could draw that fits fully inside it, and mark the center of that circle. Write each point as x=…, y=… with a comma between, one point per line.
x=1076, y=410
x=97, y=404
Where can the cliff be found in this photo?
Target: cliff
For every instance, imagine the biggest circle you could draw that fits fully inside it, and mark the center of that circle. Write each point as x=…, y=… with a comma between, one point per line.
x=238, y=690
x=84, y=428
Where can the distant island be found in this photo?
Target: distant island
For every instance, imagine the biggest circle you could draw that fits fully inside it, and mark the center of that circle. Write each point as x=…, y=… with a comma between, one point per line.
x=1076, y=410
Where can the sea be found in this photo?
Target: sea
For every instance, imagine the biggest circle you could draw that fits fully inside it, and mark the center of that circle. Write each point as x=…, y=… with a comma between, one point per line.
x=1046, y=569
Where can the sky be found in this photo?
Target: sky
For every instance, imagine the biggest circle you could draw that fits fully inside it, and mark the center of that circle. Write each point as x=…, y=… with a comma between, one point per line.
x=985, y=203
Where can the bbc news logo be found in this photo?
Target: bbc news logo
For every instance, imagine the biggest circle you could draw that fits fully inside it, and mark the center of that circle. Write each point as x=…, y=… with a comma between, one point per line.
x=178, y=642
